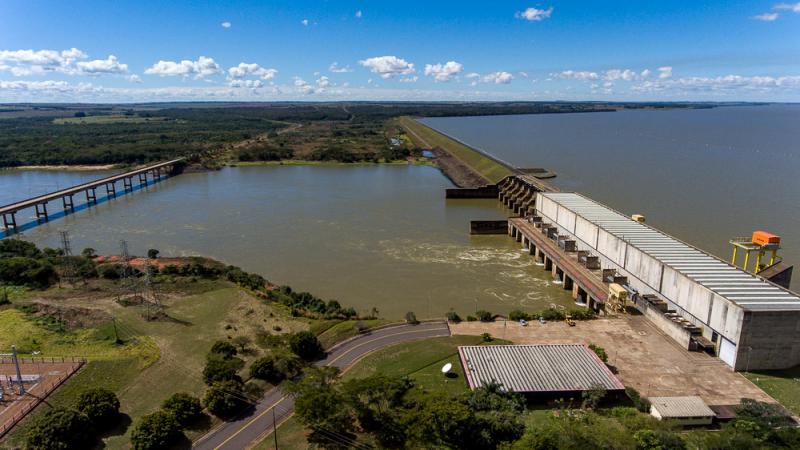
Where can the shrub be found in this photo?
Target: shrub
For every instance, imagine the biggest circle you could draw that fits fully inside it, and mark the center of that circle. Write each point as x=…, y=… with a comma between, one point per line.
x=453, y=316
x=101, y=406
x=471, y=318
x=600, y=352
x=59, y=428
x=109, y=271
x=225, y=398
x=305, y=345
x=517, y=315
x=185, y=408
x=658, y=440
x=223, y=348
x=581, y=314
x=552, y=314
x=487, y=337
x=220, y=368
x=484, y=316
x=152, y=253
x=411, y=318
x=21, y=270
x=639, y=402
x=156, y=431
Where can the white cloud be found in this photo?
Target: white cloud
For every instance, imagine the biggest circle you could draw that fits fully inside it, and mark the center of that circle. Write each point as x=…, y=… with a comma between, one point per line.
x=443, y=72
x=523, y=74
x=722, y=85
x=645, y=74
x=303, y=87
x=665, y=72
x=767, y=17
x=305, y=22
x=323, y=82
x=388, y=66
x=498, y=78
x=359, y=14
x=252, y=84
x=334, y=67
x=203, y=67
x=409, y=79
x=97, y=66
x=135, y=78
x=69, y=62
x=794, y=7
x=577, y=75
x=534, y=14
x=245, y=69
x=226, y=24
x=618, y=74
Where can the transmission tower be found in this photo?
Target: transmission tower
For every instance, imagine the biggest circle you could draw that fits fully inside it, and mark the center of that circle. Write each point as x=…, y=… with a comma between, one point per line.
x=127, y=283
x=69, y=270
x=150, y=295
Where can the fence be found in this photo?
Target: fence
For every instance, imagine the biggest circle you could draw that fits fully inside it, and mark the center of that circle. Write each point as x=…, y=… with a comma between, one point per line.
x=49, y=386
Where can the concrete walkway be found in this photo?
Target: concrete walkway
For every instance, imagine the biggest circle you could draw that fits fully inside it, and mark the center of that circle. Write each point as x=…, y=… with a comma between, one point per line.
x=247, y=430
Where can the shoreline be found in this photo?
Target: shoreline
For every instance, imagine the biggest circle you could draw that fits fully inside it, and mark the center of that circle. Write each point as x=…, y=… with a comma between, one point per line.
x=66, y=167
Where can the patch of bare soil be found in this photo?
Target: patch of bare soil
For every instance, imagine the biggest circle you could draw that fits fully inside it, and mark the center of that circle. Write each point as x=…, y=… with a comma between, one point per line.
x=72, y=316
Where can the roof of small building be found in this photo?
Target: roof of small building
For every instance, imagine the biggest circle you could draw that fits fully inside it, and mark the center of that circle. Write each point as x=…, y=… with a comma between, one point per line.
x=678, y=407
x=537, y=368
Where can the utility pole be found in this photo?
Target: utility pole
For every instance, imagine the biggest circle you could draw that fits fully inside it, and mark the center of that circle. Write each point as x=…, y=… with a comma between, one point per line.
x=274, y=428
x=19, y=373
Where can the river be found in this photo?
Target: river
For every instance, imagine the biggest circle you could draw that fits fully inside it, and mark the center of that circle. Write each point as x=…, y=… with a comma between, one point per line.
x=368, y=236
x=704, y=175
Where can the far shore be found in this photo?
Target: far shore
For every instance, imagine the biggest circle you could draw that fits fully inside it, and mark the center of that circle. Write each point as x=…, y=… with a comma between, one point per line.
x=76, y=168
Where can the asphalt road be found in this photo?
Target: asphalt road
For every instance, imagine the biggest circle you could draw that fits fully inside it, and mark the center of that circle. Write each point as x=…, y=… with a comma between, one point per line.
x=246, y=430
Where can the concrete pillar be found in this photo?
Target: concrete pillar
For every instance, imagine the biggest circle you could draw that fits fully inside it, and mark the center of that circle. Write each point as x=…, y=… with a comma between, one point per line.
x=531, y=248
x=142, y=178
x=127, y=183
x=41, y=212
x=91, y=196
x=68, y=204
x=575, y=291
x=568, y=283
x=9, y=223
x=111, y=189
x=519, y=235
x=548, y=263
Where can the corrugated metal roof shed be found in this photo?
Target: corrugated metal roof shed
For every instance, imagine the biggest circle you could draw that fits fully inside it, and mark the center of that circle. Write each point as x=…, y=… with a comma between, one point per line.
x=681, y=407
x=537, y=368
x=738, y=286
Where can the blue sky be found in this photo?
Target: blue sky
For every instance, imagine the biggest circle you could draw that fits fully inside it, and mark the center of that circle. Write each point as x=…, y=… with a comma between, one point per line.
x=109, y=51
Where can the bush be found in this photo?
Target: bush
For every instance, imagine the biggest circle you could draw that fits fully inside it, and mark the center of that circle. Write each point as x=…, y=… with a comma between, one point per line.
x=639, y=402
x=658, y=440
x=471, y=318
x=305, y=345
x=276, y=367
x=22, y=270
x=552, y=314
x=185, y=408
x=600, y=352
x=517, y=315
x=156, y=431
x=411, y=318
x=486, y=337
x=484, y=316
x=223, y=348
x=453, y=316
x=152, y=253
x=581, y=314
x=59, y=428
x=101, y=406
x=109, y=271
x=220, y=368
x=225, y=398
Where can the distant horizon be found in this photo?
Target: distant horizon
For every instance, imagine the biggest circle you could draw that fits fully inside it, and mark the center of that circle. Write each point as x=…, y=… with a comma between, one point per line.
x=145, y=51
x=289, y=102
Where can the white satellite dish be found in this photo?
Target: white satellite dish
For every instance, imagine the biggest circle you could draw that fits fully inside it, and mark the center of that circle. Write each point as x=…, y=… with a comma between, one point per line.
x=446, y=368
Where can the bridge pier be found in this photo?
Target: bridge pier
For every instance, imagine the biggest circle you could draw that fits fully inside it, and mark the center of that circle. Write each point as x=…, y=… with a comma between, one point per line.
x=143, y=179
x=127, y=184
x=68, y=204
x=91, y=196
x=41, y=212
x=8, y=224
x=111, y=189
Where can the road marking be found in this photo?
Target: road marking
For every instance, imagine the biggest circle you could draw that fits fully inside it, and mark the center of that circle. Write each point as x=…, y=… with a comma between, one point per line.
x=269, y=432
x=377, y=339
x=249, y=423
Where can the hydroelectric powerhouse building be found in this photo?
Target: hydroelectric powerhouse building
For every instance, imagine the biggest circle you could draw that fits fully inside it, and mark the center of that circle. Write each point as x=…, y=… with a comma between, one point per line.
x=752, y=323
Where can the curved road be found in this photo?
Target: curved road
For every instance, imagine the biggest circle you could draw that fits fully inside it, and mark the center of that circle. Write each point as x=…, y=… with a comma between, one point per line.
x=244, y=431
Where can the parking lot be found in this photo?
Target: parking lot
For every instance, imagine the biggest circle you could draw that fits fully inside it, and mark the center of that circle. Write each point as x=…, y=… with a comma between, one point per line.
x=644, y=358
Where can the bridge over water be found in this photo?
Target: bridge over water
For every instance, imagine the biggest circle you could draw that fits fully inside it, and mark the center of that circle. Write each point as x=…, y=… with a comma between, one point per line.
x=39, y=203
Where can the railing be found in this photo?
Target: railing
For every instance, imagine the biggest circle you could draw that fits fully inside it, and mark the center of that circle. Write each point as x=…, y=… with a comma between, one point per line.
x=50, y=386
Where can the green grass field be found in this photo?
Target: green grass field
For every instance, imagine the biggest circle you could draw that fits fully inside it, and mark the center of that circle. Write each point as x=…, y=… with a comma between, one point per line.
x=782, y=385
x=331, y=333
x=158, y=358
x=487, y=167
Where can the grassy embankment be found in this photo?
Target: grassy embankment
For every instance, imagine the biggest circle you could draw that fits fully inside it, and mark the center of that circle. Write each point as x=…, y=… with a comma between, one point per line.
x=427, y=137
x=157, y=358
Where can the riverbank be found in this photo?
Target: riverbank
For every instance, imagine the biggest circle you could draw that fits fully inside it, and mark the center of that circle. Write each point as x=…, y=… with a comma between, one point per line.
x=463, y=165
x=66, y=167
x=303, y=162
